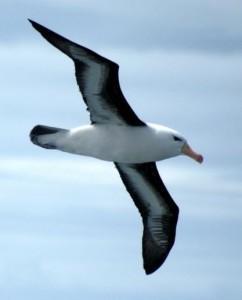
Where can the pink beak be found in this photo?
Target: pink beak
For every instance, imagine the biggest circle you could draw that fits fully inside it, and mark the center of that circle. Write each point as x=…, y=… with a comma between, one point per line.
x=187, y=150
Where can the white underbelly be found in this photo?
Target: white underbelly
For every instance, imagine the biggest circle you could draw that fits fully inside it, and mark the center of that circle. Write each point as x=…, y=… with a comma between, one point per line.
x=115, y=143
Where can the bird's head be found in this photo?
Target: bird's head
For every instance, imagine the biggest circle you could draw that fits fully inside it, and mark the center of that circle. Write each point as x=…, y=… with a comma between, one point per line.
x=182, y=147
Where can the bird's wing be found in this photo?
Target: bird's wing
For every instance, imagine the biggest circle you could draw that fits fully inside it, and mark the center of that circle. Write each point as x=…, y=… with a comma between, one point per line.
x=158, y=210
x=97, y=78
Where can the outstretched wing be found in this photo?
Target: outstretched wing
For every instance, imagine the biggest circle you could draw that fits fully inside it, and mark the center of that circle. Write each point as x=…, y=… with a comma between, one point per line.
x=158, y=210
x=97, y=78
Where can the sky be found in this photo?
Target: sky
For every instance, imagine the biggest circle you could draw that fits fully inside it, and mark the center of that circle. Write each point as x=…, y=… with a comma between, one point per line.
x=68, y=228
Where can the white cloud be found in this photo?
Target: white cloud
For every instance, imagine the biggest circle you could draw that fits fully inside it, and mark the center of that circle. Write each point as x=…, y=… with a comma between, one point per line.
x=211, y=192
x=63, y=171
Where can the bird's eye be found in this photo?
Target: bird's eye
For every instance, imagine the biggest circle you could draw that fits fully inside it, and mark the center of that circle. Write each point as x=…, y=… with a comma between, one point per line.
x=176, y=138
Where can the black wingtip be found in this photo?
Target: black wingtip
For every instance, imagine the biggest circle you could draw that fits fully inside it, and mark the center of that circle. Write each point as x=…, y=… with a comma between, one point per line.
x=54, y=38
x=36, y=25
x=148, y=272
x=153, y=261
x=32, y=22
x=150, y=269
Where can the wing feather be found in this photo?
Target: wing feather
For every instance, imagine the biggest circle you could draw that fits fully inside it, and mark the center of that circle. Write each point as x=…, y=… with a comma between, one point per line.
x=98, y=81
x=158, y=210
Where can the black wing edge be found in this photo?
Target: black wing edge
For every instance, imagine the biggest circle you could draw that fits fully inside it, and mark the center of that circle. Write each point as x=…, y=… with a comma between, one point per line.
x=153, y=256
x=62, y=43
x=113, y=85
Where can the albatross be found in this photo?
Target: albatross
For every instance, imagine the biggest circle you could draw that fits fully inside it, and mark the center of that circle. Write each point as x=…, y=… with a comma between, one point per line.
x=117, y=134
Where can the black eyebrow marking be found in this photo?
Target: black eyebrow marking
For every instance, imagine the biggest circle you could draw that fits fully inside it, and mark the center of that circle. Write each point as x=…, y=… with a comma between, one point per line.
x=176, y=138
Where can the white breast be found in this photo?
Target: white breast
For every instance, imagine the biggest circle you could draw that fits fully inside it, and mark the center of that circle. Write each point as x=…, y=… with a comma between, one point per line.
x=127, y=144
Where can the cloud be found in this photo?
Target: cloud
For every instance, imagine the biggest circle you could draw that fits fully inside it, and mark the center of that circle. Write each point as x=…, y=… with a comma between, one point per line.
x=62, y=230
x=186, y=25
x=76, y=175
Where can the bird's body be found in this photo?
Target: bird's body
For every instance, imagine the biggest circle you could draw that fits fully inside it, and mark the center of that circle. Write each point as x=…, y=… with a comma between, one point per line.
x=124, y=144
x=117, y=134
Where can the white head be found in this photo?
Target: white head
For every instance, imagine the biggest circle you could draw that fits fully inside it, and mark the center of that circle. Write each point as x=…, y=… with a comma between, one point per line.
x=173, y=143
x=180, y=146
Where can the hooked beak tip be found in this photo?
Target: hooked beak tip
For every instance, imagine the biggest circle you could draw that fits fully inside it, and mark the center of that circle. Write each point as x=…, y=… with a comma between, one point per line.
x=199, y=158
x=187, y=150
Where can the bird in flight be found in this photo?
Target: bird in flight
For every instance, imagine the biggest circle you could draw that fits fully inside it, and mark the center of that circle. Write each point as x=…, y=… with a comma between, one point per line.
x=117, y=134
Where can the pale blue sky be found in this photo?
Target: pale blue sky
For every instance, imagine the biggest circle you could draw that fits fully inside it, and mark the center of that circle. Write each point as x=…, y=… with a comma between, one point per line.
x=68, y=229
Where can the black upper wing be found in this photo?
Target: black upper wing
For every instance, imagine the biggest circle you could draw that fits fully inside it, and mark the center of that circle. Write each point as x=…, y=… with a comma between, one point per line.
x=158, y=210
x=97, y=78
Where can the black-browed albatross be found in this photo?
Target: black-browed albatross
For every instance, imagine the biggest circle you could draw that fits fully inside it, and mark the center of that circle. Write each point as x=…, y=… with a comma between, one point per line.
x=116, y=134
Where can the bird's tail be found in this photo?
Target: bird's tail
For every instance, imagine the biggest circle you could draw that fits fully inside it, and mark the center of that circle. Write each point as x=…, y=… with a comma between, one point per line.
x=46, y=136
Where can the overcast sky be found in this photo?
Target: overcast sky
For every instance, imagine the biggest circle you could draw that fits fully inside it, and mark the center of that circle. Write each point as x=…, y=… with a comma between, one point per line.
x=68, y=229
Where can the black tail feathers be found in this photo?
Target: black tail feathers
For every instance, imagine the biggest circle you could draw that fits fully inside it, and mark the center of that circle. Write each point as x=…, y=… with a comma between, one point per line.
x=40, y=130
